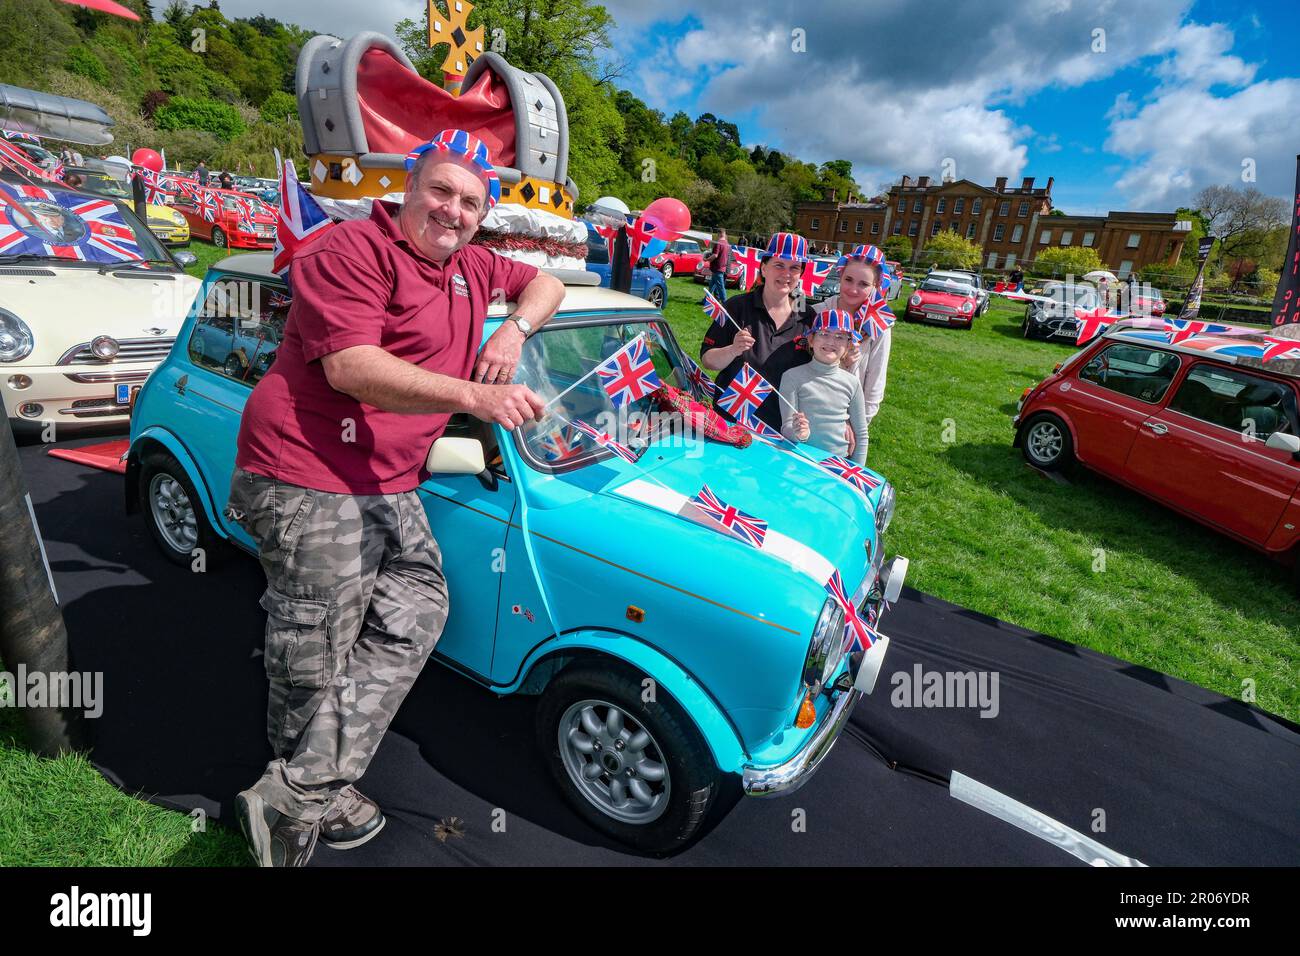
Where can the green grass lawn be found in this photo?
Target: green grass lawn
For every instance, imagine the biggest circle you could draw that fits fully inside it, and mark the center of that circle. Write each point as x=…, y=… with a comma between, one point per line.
x=984, y=530
x=1089, y=563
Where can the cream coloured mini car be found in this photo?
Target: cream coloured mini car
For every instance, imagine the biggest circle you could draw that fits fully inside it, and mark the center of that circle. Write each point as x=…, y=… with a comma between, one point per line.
x=90, y=302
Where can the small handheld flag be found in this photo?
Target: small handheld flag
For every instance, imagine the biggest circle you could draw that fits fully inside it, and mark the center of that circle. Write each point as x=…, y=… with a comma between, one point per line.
x=814, y=274
x=748, y=390
x=629, y=374
x=715, y=310
x=300, y=221
x=604, y=441
x=875, y=318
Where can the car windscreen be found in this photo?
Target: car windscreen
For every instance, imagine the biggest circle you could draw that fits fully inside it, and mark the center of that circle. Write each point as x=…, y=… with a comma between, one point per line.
x=46, y=222
x=950, y=286
x=558, y=364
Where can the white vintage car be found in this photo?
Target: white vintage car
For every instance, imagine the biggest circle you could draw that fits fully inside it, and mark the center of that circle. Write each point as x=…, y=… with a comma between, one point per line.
x=90, y=302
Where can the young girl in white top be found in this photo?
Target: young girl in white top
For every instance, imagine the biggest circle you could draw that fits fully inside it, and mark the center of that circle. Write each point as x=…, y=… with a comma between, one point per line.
x=862, y=275
x=821, y=398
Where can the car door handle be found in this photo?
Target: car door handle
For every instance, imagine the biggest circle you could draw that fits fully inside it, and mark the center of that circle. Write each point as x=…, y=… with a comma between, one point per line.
x=1156, y=427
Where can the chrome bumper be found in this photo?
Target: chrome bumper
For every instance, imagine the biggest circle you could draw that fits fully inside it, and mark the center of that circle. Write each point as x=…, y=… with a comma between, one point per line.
x=795, y=772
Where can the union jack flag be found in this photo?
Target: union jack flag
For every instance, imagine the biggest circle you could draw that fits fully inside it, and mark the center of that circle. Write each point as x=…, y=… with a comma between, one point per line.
x=1092, y=324
x=875, y=318
x=562, y=443
x=1279, y=348
x=701, y=379
x=715, y=310
x=189, y=188
x=300, y=221
x=854, y=474
x=206, y=201
x=629, y=375
x=744, y=526
x=155, y=191
x=1180, y=330
x=245, y=213
x=763, y=431
x=814, y=274
x=604, y=441
x=639, y=235
x=92, y=228
x=279, y=300
x=748, y=390
x=609, y=234
x=858, y=634
x=749, y=259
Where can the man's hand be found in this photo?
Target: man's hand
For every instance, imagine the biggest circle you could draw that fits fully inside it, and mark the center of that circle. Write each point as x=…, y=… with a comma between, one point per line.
x=500, y=355
x=507, y=405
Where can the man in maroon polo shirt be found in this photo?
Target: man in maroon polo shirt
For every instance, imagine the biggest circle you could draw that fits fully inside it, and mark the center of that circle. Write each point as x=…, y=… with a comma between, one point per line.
x=380, y=348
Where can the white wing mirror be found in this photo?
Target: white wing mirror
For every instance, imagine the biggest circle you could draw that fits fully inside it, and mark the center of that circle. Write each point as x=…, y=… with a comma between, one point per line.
x=456, y=456
x=1283, y=442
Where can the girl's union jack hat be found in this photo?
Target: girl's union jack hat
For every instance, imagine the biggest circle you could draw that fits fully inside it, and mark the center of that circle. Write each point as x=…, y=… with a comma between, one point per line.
x=872, y=256
x=460, y=143
x=836, y=320
x=787, y=245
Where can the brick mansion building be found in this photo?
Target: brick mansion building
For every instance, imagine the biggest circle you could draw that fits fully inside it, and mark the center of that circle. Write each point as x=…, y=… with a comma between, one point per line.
x=1012, y=224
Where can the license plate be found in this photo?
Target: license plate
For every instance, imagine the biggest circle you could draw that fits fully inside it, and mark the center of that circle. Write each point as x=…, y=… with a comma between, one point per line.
x=124, y=394
x=937, y=317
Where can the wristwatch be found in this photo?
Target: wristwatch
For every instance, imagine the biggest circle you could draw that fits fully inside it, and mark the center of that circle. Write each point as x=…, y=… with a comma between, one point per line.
x=523, y=325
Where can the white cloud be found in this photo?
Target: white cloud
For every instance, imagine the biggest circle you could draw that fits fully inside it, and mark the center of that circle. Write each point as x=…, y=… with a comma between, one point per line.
x=1188, y=138
x=1200, y=58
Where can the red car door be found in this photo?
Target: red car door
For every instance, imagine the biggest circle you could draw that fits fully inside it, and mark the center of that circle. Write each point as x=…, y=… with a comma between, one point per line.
x=1204, y=453
x=1110, y=397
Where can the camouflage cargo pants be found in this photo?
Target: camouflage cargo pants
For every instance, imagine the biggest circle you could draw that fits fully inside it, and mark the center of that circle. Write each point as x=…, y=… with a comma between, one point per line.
x=355, y=601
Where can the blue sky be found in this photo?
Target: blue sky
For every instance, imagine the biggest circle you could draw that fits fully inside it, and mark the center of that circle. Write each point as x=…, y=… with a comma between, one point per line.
x=1171, y=96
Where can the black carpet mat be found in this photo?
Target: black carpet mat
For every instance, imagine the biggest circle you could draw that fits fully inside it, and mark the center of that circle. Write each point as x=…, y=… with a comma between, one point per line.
x=1182, y=776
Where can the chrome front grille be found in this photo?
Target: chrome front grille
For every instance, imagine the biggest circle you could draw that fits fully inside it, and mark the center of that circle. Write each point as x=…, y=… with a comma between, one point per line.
x=132, y=350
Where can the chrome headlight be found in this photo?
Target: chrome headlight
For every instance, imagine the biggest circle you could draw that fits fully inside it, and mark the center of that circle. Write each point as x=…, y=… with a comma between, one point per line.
x=16, y=340
x=827, y=645
x=884, y=511
x=104, y=347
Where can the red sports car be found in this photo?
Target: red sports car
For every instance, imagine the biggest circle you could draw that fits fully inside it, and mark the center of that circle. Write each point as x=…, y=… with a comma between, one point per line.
x=1207, y=425
x=943, y=299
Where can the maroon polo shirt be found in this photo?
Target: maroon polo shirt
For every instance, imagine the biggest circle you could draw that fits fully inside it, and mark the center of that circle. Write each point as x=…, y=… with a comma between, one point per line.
x=364, y=284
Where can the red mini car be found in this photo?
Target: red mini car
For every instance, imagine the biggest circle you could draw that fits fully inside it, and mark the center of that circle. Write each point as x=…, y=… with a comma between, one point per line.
x=229, y=227
x=682, y=256
x=1206, y=424
x=944, y=298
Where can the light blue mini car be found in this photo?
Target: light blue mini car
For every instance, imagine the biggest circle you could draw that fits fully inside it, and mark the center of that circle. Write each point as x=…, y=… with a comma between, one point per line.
x=678, y=666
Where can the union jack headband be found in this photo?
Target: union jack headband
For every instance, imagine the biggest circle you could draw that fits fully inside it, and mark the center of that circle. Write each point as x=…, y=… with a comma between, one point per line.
x=836, y=320
x=872, y=256
x=460, y=143
x=787, y=245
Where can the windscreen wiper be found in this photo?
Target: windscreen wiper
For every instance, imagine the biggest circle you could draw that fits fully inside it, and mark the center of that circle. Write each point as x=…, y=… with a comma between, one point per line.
x=130, y=264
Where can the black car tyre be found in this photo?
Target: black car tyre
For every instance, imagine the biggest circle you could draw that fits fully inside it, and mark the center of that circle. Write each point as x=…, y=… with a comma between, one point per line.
x=1046, y=443
x=656, y=297
x=668, y=270
x=173, y=511
x=218, y=237
x=639, y=772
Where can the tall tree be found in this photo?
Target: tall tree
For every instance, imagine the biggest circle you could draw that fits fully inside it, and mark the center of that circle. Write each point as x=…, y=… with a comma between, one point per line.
x=1241, y=218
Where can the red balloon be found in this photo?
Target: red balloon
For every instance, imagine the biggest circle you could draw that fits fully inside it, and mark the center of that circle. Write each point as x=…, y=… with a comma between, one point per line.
x=672, y=213
x=147, y=158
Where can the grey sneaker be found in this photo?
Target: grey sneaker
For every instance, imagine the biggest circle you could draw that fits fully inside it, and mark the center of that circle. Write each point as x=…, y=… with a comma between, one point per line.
x=351, y=820
x=273, y=838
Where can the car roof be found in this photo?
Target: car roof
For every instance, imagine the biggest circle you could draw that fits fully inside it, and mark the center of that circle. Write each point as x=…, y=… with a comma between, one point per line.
x=583, y=292
x=949, y=273
x=1237, y=347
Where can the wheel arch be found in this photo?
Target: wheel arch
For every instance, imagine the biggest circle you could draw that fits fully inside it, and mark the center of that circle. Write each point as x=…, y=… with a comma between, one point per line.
x=159, y=439
x=708, y=716
x=1053, y=410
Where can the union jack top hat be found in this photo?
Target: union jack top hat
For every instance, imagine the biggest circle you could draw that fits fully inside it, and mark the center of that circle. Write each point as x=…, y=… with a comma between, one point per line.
x=460, y=143
x=836, y=320
x=787, y=245
x=872, y=256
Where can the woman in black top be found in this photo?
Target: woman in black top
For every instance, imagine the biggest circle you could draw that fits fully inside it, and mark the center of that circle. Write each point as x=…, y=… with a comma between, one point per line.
x=769, y=321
